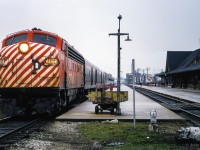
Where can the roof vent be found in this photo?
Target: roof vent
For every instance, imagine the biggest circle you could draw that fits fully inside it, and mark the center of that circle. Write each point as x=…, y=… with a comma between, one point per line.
x=36, y=29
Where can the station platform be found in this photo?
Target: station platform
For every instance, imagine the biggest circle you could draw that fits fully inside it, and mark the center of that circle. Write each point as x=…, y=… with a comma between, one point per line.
x=187, y=94
x=143, y=105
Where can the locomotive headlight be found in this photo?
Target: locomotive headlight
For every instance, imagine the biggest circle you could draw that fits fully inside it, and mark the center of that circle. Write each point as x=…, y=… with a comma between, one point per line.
x=24, y=47
x=51, y=62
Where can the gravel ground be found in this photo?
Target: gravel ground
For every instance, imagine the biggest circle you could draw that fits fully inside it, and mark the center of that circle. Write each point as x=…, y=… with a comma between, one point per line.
x=55, y=135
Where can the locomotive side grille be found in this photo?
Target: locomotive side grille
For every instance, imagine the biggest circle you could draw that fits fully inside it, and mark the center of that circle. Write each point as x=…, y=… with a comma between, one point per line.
x=75, y=56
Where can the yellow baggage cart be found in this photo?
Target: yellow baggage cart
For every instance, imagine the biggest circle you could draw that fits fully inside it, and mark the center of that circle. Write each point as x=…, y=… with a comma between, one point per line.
x=106, y=99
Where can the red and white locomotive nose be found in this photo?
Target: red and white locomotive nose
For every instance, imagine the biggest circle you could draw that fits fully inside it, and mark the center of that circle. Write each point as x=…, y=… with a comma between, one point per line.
x=29, y=64
x=29, y=72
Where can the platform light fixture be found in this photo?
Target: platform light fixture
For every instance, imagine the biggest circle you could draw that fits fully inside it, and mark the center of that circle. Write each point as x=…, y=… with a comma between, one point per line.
x=127, y=39
x=118, y=34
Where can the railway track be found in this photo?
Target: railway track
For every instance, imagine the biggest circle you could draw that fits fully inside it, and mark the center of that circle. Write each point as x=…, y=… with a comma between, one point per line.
x=190, y=110
x=13, y=129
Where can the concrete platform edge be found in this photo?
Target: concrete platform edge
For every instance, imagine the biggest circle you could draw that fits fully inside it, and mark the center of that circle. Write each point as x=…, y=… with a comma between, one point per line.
x=120, y=120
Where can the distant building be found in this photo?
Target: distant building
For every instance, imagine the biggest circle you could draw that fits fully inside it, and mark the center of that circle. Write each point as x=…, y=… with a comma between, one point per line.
x=129, y=78
x=182, y=69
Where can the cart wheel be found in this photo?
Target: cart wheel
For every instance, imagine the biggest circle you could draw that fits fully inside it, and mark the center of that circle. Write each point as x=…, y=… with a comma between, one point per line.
x=118, y=111
x=96, y=109
x=112, y=110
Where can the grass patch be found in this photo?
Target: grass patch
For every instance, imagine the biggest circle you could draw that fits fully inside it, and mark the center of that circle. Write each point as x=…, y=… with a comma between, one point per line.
x=122, y=135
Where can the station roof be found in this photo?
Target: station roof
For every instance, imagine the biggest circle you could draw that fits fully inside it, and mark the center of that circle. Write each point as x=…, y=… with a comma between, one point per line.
x=186, y=61
x=175, y=58
x=162, y=74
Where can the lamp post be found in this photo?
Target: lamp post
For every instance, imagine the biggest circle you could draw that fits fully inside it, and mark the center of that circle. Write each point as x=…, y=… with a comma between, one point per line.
x=118, y=34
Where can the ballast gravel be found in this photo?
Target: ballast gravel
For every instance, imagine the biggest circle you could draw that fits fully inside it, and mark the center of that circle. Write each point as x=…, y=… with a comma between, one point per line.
x=55, y=135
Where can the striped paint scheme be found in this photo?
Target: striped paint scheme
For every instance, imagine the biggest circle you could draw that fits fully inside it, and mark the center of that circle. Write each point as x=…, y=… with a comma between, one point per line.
x=19, y=68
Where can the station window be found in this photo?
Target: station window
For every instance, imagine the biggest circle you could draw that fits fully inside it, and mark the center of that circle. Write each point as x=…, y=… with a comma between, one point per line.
x=196, y=60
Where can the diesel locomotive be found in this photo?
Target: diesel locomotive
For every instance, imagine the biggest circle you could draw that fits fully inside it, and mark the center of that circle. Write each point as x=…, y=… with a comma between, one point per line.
x=40, y=72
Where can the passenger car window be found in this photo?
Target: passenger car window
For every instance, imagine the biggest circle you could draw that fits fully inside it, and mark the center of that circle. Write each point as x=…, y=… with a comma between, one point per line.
x=44, y=39
x=16, y=39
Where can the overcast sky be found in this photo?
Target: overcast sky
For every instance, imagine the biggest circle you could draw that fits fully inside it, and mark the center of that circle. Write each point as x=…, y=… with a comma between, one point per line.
x=155, y=26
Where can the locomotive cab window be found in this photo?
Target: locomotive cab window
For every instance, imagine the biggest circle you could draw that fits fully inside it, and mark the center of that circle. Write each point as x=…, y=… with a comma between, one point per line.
x=16, y=38
x=44, y=39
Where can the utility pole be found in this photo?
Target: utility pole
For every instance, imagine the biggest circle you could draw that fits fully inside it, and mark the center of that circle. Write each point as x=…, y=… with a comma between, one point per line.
x=133, y=80
x=143, y=81
x=147, y=70
x=199, y=42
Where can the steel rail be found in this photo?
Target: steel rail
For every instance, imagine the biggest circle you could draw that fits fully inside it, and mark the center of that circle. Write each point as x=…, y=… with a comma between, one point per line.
x=5, y=119
x=9, y=131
